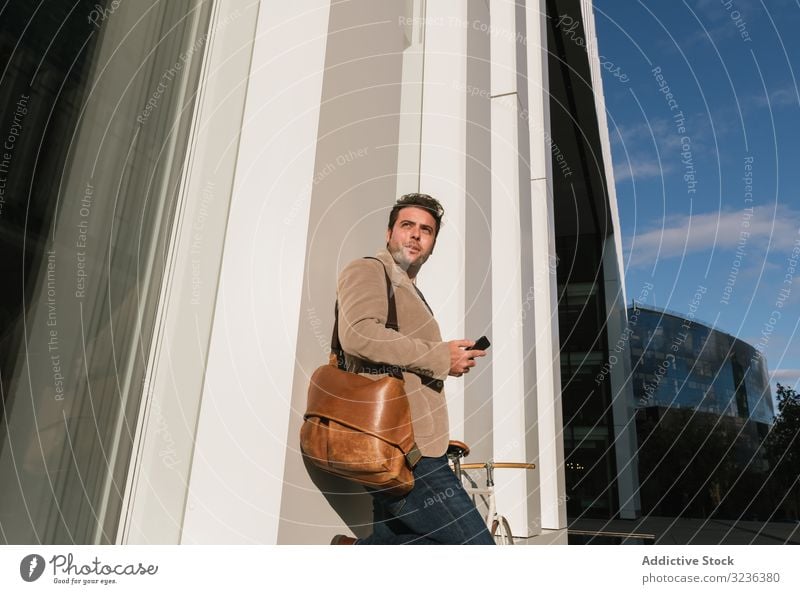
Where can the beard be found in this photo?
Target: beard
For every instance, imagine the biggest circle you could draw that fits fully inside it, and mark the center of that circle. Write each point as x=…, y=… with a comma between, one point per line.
x=403, y=261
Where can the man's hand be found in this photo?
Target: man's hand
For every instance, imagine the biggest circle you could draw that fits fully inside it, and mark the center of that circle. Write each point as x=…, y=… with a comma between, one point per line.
x=461, y=358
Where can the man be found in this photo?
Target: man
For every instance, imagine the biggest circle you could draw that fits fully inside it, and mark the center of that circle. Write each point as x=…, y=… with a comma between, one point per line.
x=436, y=511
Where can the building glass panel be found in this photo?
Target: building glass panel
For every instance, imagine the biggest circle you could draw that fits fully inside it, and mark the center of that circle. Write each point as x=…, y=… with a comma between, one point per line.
x=684, y=364
x=582, y=224
x=96, y=102
x=704, y=412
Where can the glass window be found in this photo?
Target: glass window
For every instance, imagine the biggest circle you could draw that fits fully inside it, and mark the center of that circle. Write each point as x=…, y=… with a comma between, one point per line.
x=95, y=110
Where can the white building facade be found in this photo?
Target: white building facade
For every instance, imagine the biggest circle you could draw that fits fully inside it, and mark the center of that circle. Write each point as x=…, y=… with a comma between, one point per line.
x=305, y=121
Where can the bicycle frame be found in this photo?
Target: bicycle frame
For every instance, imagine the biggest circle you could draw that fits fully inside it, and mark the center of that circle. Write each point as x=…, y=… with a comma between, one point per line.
x=495, y=523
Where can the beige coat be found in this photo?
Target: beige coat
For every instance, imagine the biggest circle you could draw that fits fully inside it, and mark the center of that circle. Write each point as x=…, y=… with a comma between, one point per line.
x=417, y=345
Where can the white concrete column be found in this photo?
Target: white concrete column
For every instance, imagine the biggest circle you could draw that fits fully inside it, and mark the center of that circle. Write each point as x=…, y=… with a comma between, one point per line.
x=443, y=176
x=545, y=297
x=238, y=469
x=354, y=187
x=478, y=423
x=514, y=391
x=410, y=128
x=172, y=409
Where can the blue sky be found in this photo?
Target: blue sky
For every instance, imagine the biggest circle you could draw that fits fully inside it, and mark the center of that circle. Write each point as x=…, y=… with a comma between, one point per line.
x=710, y=198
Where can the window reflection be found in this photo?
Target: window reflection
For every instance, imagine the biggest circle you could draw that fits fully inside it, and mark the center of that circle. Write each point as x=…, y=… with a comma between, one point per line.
x=95, y=104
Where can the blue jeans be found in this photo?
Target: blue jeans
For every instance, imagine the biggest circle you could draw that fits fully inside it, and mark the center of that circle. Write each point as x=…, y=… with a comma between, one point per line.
x=435, y=511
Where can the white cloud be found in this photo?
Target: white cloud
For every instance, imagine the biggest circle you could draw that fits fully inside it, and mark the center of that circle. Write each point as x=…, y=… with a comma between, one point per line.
x=720, y=230
x=782, y=97
x=647, y=131
x=717, y=9
x=794, y=297
x=716, y=12
x=785, y=377
x=640, y=138
x=638, y=147
x=637, y=170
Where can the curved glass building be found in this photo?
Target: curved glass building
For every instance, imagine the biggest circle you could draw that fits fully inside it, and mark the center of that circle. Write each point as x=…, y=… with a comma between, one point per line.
x=680, y=363
x=704, y=410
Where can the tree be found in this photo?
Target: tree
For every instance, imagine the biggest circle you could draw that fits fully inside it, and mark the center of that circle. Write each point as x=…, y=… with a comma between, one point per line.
x=783, y=451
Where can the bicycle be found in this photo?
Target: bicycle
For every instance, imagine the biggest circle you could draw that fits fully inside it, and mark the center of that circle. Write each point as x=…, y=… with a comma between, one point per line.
x=496, y=523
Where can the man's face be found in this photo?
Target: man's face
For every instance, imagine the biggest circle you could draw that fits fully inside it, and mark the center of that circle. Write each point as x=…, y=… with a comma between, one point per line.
x=411, y=239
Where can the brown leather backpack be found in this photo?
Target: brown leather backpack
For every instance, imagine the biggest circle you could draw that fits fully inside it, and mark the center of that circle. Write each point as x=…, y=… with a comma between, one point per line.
x=359, y=428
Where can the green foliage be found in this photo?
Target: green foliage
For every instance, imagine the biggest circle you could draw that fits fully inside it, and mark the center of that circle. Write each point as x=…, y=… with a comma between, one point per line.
x=784, y=442
x=698, y=465
x=783, y=451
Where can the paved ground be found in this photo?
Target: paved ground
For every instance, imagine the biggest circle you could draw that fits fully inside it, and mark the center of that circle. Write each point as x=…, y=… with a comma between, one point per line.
x=667, y=531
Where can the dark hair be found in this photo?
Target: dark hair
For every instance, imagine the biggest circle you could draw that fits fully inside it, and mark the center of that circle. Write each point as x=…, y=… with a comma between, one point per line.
x=419, y=201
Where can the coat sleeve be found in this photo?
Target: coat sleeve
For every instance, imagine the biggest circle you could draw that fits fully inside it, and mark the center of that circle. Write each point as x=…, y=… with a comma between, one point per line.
x=363, y=307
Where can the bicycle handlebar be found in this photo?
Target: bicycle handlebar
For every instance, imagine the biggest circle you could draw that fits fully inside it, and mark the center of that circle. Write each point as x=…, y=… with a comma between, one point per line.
x=478, y=465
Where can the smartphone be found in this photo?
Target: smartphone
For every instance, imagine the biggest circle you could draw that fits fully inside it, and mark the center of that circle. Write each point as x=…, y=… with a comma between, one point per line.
x=481, y=345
